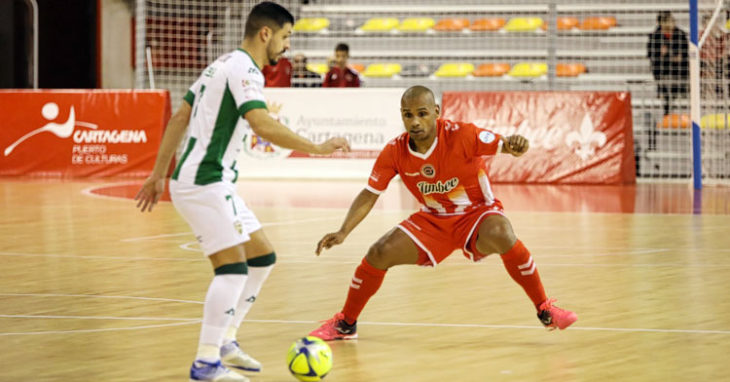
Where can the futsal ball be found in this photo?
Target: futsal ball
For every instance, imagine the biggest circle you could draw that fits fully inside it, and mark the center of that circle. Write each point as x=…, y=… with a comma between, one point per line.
x=309, y=359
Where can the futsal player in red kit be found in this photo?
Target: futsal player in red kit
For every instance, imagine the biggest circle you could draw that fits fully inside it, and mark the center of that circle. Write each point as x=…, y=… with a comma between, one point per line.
x=442, y=163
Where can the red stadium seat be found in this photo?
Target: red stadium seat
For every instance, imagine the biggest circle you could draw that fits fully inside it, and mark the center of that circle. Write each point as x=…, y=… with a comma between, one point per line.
x=564, y=23
x=674, y=121
x=451, y=25
x=492, y=70
x=488, y=25
x=570, y=70
x=598, y=23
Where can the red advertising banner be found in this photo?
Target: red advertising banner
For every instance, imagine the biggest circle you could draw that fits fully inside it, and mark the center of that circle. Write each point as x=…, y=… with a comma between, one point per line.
x=85, y=133
x=575, y=137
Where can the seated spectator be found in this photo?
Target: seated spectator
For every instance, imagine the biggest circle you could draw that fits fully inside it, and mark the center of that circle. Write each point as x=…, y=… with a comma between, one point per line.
x=279, y=75
x=302, y=77
x=667, y=52
x=340, y=76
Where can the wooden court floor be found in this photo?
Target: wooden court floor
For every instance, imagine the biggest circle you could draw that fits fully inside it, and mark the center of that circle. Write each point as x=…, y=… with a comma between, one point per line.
x=93, y=290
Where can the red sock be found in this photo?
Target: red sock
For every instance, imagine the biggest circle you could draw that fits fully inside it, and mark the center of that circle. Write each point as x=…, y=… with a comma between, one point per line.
x=364, y=284
x=520, y=266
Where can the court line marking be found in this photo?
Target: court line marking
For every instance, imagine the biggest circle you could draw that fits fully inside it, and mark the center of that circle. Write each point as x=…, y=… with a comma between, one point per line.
x=265, y=224
x=187, y=247
x=100, y=257
x=100, y=296
x=487, y=326
x=74, y=331
x=153, y=237
x=190, y=321
x=88, y=191
x=413, y=324
x=312, y=259
x=114, y=318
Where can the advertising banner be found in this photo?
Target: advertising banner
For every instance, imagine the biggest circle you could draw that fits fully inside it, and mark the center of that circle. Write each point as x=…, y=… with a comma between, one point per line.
x=368, y=118
x=81, y=133
x=575, y=137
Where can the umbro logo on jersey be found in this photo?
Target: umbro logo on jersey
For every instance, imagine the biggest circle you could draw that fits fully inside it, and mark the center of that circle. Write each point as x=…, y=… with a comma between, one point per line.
x=253, y=70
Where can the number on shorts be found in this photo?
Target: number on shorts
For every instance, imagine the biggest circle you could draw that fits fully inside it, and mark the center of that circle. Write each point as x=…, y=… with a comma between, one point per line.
x=233, y=203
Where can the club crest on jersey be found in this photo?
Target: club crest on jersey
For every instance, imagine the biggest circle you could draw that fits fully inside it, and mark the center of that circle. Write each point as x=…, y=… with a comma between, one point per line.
x=428, y=171
x=439, y=187
x=486, y=137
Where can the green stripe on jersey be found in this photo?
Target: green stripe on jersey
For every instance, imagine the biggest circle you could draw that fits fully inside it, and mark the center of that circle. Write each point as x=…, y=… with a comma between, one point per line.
x=189, y=97
x=211, y=167
x=250, y=105
x=191, y=143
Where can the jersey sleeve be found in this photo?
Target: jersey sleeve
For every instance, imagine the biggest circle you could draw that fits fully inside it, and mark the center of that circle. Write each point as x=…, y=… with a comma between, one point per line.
x=189, y=97
x=479, y=142
x=247, y=86
x=383, y=170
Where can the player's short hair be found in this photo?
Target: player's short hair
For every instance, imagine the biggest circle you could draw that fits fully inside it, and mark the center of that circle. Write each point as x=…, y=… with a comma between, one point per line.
x=267, y=14
x=663, y=16
x=417, y=91
x=342, y=47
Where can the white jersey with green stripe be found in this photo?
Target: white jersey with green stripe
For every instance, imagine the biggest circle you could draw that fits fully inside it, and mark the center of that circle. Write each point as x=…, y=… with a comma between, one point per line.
x=225, y=91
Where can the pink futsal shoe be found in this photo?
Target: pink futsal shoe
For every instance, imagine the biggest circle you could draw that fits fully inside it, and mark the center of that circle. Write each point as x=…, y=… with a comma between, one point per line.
x=336, y=328
x=553, y=317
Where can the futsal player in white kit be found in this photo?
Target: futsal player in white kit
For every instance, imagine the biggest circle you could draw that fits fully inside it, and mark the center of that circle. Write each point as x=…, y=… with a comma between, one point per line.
x=221, y=105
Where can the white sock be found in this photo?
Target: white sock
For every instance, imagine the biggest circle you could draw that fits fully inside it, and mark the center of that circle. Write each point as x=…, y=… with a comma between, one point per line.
x=218, y=311
x=256, y=278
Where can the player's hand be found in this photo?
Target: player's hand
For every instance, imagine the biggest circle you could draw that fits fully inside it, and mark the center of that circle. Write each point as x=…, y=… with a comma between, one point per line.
x=330, y=240
x=333, y=144
x=150, y=193
x=515, y=145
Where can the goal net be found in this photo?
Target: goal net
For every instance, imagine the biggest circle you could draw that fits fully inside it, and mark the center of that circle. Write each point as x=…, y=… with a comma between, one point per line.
x=520, y=45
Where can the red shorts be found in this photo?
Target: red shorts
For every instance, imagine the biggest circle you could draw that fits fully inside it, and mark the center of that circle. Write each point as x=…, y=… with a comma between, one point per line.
x=438, y=236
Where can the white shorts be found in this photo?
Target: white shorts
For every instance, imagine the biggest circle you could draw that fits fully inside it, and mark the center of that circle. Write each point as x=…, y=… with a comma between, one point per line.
x=218, y=216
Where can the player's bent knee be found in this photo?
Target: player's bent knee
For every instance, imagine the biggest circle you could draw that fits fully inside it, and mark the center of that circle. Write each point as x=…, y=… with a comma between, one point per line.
x=495, y=235
x=377, y=256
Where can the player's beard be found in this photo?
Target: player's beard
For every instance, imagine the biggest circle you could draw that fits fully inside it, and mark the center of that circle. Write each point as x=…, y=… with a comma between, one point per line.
x=273, y=61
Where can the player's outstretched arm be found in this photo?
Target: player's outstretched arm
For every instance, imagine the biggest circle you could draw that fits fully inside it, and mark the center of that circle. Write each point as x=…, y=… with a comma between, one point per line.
x=515, y=145
x=360, y=208
x=154, y=185
x=271, y=130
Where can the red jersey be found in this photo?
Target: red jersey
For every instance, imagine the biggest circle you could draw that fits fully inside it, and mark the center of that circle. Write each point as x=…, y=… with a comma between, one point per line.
x=341, y=78
x=279, y=75
x=451, y=177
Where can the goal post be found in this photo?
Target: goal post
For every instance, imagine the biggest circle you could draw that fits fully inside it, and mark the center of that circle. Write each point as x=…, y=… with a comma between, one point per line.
x=694, y=76
x=709, y=91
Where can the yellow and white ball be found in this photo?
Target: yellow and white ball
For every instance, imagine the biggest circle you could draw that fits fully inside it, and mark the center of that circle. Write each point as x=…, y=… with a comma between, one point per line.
x=309, y=359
